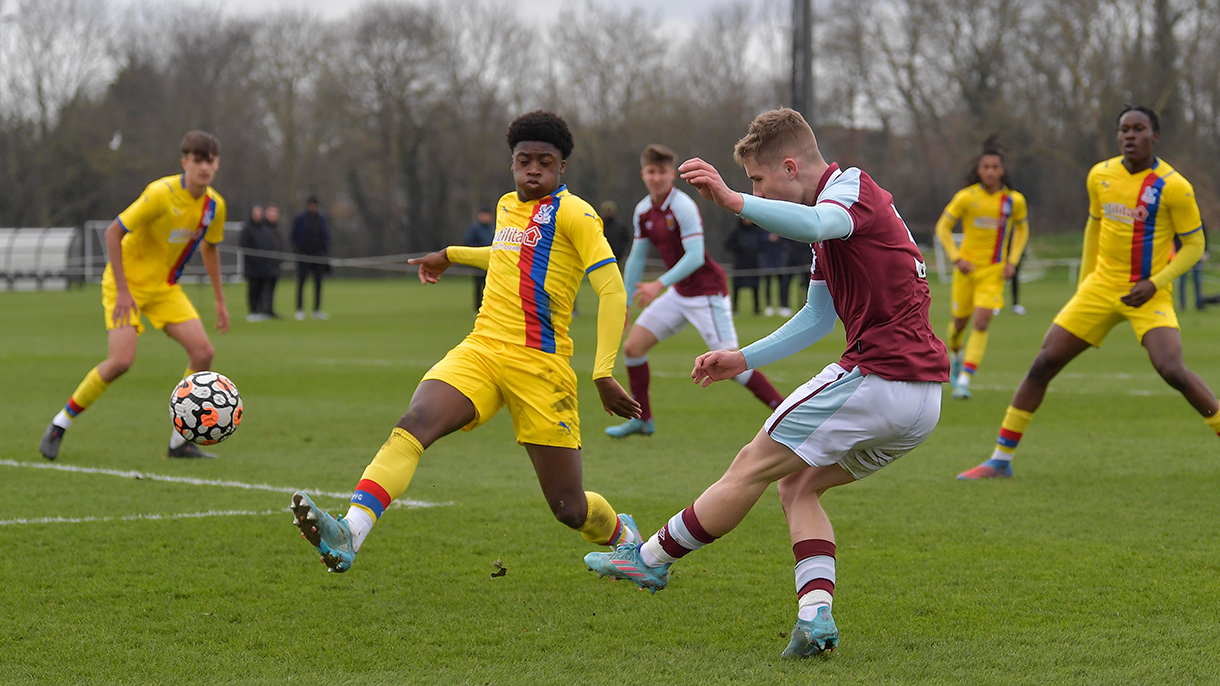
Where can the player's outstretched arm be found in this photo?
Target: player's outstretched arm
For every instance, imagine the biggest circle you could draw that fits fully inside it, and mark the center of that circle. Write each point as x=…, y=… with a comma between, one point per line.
x=808, y=326
x=788, y=219
x=633, y=268
x=211, y=262
x=611, y=311
x=432, y=265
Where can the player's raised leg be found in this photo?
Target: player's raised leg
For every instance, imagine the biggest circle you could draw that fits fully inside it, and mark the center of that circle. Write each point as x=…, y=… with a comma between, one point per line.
x=191, y=335
x=639, y=376
x=437, y=409
x=1164, y=345
x=559, y=475
x=1058, y=349
x=715, y=513
x=813, y=548
x=121, y=355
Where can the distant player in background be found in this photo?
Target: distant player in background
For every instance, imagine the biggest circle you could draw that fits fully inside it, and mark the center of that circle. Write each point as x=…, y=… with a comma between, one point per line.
x=148, y=246
x=694, y=289
x=546, y=241
x=1137, y=205
x=877, y=403
x=995, y=230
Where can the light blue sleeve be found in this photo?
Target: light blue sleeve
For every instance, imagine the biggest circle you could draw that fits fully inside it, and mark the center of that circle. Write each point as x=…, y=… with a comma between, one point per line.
x=633, y=268
x=692, y=258
x=808, y=326
x=820, y=222
x=690, y=224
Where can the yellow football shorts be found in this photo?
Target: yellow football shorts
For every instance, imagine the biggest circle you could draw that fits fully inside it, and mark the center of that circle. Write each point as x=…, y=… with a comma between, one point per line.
x=1096, y=308
x=162, y=306
x=538, y=388
x=983, y=287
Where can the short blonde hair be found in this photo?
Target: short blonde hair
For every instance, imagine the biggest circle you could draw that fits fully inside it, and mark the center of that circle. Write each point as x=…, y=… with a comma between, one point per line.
x=777, y=134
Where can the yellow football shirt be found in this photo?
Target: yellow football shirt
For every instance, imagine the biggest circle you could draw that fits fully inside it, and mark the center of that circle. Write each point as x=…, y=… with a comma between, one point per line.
x=993, y=224
x=541, y=251
x=1139, y=215
x=164, y=227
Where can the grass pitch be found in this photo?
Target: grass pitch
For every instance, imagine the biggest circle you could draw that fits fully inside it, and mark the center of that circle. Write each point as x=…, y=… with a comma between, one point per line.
x=1097, y=564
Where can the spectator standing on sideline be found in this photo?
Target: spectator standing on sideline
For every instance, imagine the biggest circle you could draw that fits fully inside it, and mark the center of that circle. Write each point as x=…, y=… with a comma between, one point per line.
x=480, y=234
x=799, y=255
x=1195, y=274
x=274, y=242
x=774, y=255
x=255, y=268
x=617, y=233
x=311, y=238
x=744, y=243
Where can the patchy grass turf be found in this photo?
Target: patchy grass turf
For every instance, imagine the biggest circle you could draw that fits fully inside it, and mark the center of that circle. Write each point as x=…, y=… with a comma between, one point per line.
x=1097, y=564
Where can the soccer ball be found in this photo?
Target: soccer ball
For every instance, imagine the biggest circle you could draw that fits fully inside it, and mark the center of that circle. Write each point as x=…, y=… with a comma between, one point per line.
x=205, y=408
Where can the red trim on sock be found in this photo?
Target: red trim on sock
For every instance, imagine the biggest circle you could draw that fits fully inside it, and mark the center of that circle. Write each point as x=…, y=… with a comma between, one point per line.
x=374, y=489
x=694, y=527
x=817, y=585
x=812, y=547
x=618, y=530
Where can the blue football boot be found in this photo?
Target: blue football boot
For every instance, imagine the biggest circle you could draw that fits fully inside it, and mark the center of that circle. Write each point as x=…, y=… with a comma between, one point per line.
x=625, y=563
x=632, y=426
x=332, y=537
x=631, y=532
x=812, y=637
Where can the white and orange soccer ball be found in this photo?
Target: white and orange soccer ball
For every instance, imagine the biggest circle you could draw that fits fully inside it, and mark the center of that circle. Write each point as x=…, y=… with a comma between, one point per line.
x=205, y=408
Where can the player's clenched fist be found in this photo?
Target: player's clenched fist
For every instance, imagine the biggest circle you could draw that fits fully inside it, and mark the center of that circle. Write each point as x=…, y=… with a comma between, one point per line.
x=615, y=399
x=431, y=266
x=718, y=365
x=706, y=179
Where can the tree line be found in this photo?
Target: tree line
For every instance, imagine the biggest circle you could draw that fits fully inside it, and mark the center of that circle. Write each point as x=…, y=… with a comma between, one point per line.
x=395, y=114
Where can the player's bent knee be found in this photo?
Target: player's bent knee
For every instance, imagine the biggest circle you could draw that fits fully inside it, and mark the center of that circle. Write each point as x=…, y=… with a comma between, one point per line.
x=1044, y=368
x=1174, y=373
x=571, y=511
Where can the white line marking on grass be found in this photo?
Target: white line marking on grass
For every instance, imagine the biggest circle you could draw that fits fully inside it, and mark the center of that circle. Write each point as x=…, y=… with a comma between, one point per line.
x=408, y=503
x=135, y=517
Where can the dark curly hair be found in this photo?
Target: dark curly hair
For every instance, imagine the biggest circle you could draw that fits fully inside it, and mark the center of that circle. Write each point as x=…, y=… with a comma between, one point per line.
x=543, y=127
x=1146, y=111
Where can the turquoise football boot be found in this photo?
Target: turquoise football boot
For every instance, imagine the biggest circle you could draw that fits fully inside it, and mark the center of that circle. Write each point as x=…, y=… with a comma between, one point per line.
x=631, y=532
x=632, y=426
x=332, y=537
x=814, y=636
x=625, y=563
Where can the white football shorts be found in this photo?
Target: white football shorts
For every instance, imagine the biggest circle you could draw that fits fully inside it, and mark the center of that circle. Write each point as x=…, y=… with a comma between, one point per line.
x=711, y=315
x=860, y=422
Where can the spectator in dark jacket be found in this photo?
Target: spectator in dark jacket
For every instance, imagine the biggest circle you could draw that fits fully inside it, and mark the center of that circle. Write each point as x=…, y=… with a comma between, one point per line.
x=311, y=238
x=260, y=271
x=275, y=242
x=619, y=234
x=744, y=243
x=480, y=234
x=774, y=256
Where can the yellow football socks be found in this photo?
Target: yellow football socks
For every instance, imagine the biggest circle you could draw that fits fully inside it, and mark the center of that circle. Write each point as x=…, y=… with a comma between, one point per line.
x=1213, y=422
x=955, y=337
x=975, y=348
x=86, y=393
x=1014, y=426
x=601, y=525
